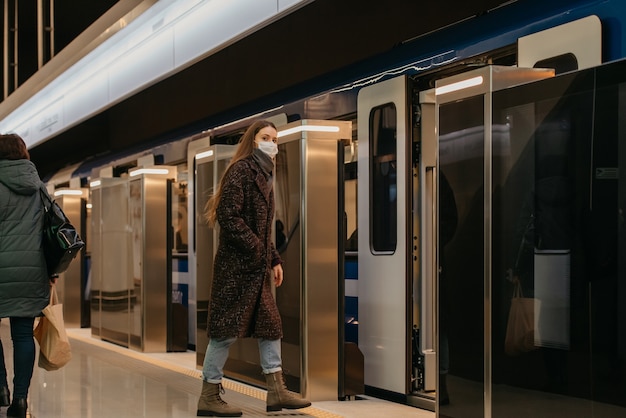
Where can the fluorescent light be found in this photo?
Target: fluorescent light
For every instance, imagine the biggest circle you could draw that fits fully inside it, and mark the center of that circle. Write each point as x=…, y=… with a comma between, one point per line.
x=149, y=171
x=204, y=154
x=308, y=128
x=459, y=85
x=95, y=183
x=62, y=192
x=168, y=37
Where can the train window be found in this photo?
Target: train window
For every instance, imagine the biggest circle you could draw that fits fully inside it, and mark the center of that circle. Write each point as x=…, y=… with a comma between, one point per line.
x=383, y=178
x=350, y=206
x=561, y=64
x=179, y=217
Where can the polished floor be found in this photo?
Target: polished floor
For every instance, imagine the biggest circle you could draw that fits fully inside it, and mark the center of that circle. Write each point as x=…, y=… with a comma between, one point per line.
x=104, y=380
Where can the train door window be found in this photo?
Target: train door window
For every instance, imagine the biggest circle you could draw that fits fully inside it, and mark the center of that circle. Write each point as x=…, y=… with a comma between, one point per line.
x=350, y=206
x=179, y=217
x=561, y=64
x=383, y=179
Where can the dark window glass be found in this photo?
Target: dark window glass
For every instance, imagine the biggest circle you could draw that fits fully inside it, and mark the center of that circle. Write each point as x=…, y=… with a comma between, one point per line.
x=556, y=231
x=461, y=255
x=383, y=156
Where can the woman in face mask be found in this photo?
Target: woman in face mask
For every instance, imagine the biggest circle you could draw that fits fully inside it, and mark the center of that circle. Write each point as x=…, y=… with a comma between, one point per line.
x=246, y=262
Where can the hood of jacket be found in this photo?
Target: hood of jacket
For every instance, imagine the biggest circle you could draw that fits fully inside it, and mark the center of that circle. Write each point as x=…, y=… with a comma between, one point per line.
x=20, y=176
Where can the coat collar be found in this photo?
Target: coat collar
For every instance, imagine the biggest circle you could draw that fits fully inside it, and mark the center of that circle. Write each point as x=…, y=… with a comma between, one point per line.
x=260, y=179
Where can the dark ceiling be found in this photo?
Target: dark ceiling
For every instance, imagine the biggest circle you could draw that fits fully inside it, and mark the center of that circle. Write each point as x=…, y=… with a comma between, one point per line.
x=71, y=17
x=316, y=40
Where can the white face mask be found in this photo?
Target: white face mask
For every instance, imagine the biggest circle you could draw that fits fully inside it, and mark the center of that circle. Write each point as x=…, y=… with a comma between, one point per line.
x=268, y=147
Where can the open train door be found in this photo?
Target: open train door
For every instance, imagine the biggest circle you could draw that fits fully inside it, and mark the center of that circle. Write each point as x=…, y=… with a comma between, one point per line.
x=387, y=281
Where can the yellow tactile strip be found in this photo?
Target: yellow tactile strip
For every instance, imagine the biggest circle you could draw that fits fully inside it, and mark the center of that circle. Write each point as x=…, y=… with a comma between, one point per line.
x=254, y=407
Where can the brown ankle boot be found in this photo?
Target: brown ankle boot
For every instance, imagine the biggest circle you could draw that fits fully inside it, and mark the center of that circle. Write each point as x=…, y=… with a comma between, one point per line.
x=211, y=405
x=278, y=397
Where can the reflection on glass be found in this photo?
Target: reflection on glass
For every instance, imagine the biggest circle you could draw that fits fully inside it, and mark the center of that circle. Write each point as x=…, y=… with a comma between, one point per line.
x=135, y=282
x=383, y=156
x=555, y=223
x=461, y=257
x=288, y=239
x=114, y=275
x=203, y=234
x=350, y=184
x=286, y=192
x=179, y=217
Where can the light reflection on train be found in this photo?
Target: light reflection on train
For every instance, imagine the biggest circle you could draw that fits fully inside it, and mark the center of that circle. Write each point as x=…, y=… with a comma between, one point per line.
x=419, y=295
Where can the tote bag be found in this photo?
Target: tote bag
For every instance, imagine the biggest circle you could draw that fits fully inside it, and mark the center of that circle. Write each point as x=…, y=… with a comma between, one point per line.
x=520, y=329
x=54, y=346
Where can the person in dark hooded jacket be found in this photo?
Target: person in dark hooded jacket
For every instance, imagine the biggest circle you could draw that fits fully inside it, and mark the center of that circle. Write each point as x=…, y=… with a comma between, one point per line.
x=242, y=304
x=24, y=281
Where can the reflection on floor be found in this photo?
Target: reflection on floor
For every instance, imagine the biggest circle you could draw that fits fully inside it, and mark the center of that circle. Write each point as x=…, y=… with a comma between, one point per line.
x=510, y=402
x=104, y=380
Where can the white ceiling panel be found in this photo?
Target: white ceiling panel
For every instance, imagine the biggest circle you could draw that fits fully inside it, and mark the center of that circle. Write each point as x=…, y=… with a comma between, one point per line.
x=168, y=37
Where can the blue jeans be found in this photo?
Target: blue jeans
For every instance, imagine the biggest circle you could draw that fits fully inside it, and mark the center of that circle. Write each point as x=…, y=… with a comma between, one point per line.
x=217, y=354
x=23, y=356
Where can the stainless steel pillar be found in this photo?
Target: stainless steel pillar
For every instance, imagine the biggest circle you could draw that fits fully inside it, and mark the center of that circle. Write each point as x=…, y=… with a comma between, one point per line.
x=110, y=249
x=307, y=235
x=130, y=273
x=70, y=283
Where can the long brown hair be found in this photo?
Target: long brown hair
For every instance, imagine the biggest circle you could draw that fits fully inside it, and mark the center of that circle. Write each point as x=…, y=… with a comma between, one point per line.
x=244, y=150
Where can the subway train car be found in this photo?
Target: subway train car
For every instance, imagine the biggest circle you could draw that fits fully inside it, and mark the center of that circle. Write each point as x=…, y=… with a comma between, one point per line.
x=422, y=197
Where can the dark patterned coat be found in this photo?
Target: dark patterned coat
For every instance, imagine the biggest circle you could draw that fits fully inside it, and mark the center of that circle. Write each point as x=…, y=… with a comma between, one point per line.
x=242, y=304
